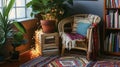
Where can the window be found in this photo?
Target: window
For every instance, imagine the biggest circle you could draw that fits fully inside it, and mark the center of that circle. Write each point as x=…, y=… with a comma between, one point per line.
x=0, y=5
x=19, y=10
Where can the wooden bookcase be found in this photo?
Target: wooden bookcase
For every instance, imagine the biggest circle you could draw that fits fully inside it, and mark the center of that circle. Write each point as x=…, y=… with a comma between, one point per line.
x=112, y=27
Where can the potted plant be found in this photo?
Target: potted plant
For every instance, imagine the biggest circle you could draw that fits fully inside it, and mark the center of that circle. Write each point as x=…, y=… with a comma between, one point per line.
x=18, y=39
x=51, y=11
x=7, y=26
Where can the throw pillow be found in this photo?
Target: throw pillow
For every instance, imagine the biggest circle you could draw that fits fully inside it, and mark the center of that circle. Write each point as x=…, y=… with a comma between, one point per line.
x=78, y=19
x=82, y=28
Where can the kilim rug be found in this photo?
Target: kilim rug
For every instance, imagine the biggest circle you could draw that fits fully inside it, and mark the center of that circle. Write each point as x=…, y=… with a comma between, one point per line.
x=56, y=61
x=40, y=61
x=104, y=64
x=105, y=61
x=69, y=61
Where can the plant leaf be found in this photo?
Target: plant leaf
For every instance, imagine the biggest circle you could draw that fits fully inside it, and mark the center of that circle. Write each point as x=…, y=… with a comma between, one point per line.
x=18, y=36
x=28, y=4
x=9, y=7
x=1, y=18
x=19, y=26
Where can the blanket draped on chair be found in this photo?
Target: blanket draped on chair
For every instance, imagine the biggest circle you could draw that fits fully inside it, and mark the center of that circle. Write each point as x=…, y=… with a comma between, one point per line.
x=69, y=39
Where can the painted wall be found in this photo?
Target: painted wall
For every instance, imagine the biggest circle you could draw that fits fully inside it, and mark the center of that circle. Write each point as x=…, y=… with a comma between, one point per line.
x=94, y=7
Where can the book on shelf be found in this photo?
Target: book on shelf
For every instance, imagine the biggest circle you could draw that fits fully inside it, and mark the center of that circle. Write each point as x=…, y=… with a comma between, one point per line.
x=112, y=42
x=113, y=3
x=106, y=43
x=116, y=23
x=118, y=19
x=119, y=41
x=116, y=43
x=113, y=19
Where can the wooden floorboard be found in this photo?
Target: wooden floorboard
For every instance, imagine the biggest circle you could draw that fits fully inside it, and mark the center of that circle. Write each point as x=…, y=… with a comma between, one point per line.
x=23, y=58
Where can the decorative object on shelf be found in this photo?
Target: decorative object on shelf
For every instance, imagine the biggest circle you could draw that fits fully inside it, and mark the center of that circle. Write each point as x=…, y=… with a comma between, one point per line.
x=49, y=10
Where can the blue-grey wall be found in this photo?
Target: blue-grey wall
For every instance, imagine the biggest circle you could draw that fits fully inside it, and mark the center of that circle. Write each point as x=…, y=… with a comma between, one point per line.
x=94, y=7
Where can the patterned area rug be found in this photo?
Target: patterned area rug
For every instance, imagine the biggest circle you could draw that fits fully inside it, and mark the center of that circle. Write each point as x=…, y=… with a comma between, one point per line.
x=72, y=61
x=56, y=61
x=104, y=64
x=40, y=61
x=105, y=61
x=69, y=61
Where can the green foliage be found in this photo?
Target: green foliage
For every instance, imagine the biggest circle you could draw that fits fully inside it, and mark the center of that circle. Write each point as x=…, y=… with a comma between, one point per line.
x=19, y=26
x=18, y=36
x=39, y=6
x=4, y=22
x=49, y=9
x=6, y=26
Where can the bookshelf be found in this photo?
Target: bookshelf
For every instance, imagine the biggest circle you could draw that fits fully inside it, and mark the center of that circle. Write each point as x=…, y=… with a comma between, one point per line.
x=112, y=27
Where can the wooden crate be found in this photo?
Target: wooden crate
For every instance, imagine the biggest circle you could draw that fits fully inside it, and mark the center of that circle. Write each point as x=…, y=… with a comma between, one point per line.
x=50, y=43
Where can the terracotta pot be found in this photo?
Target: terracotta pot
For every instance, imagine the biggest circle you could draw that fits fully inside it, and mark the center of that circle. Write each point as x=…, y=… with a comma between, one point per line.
x=48, y=26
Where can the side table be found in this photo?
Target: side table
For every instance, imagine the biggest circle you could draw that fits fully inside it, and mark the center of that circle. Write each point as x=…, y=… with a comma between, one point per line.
x=49, y=43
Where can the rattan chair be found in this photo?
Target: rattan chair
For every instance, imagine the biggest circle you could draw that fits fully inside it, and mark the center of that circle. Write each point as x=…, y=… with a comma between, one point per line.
x=88, y=42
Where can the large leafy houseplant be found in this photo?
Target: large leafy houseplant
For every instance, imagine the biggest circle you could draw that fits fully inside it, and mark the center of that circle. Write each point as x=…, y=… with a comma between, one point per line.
x=49, y=10
x=7, y=27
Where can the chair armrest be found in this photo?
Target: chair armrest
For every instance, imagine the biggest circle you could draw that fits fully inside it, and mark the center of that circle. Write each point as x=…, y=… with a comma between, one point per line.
x=90, y=35
x=94, y=25
x=89, y=31
x=62, y=23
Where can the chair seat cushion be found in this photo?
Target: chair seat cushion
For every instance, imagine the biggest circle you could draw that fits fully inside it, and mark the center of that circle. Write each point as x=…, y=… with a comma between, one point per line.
x=82, y=28
x=74, y=36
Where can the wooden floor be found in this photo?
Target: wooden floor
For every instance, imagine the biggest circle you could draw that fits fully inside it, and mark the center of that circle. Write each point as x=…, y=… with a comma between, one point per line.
x=26, y=57
x=23, y=58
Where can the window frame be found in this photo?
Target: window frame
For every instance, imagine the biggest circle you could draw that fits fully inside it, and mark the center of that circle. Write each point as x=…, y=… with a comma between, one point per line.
x=26, y=16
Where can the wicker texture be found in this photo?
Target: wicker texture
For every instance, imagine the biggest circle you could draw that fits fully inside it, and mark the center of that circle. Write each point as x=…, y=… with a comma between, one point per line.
x=82, y=44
